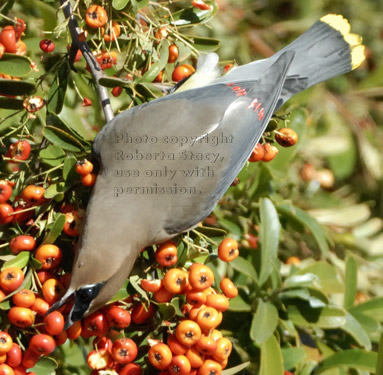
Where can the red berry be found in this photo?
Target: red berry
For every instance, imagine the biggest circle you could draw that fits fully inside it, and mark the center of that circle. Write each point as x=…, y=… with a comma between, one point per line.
x=47, y=45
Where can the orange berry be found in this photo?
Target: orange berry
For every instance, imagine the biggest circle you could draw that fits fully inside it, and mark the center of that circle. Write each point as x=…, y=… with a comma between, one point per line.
x=141, y=313
x=89, y=179
x=74, y=331
x=5, y=343
x=286, y=137
x=270, y=152
x=293, y=260
x=215, y=334
x=151, y=285
x=173, y=53
x=96, y=16
x=166, y=254
x=24, y=298
x=52, y=291
x=257, y=154
x=195, y=358
x=175, y=280
x=210, y=367
x=40, y=306
x=49, y=256
x=228, y=288
x=6, y=370
x=11, y=278
x=182, y=71
x=228, y=250
x=217, y=301
x=224, y=348
x=112, y=32
x=208, y=318
x=21, y=316
x=84, y=167
x=196, y=298
x=188, y=332
x=179, y=365
x=160, y=356
x=175, y=346
x=206, y=345
x=201, y=277
x=22, y=243
x=33, y=195
x=163, y=295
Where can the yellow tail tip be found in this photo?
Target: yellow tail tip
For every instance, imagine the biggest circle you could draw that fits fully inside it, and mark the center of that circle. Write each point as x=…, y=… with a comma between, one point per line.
x=340, y=24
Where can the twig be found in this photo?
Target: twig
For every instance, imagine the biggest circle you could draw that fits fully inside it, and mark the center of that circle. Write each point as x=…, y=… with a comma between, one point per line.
x=94, y=66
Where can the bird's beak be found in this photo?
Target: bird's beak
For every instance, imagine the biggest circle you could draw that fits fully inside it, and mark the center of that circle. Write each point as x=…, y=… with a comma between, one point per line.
x=83, y=298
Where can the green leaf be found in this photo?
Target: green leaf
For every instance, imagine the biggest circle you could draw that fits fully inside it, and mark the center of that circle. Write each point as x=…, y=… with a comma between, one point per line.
x=193, y=15
x=317, y=230
x=15, y=65
x=292, y=357
x=370, y=325
x=303, y=294
x=271, y=358
x=236, y=369
x=379, y=362
x=264, y=322
x=7, y=6
x=301, y=314
x=13, y=87
x=351, y=358
x=245, y=267
x=155, y=69
x=372, y=308
x=61, y=138
x=205, y=45
x=58, y=122
x=52, y=155
x=133, y=280
x=139, y=4
x=119, y=4
x=58, y=89
x=211, y=232
x=328, y=275
x=55, y=189
x=308, y=279
x=269, y=238
x=231, y=227
x=167, y=311
x=69, y=171
x=113, y=82
x=354, y=328
x=5, y=304
x=351, y=282
x=239, y=304
x=19, y=261
x=55, y=229
x=45, y=366
x=11, y=103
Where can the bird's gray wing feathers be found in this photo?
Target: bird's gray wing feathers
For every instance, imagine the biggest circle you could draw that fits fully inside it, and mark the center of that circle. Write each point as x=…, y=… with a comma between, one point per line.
x=185, y=149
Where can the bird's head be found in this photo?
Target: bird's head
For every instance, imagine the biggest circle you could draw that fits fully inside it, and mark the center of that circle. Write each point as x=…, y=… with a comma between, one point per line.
x=88, y=298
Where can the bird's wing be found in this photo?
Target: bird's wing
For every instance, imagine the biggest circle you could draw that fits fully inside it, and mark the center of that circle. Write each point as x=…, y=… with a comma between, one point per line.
x=185, y=149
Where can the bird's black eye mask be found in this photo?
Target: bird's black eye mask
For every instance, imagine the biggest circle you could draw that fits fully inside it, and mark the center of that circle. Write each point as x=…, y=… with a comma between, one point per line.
x=82, y=300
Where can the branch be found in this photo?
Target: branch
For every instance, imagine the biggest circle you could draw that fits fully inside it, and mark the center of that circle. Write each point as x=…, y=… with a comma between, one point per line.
x=94, y=66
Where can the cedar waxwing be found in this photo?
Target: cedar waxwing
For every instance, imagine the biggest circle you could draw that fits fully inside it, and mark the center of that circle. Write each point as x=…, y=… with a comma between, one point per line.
x=165, y=164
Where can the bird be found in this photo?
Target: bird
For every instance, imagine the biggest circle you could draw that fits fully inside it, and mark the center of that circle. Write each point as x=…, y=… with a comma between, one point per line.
x=165, y=164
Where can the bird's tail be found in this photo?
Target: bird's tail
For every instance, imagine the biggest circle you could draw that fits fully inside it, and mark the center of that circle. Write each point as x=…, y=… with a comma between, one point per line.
x=325, y=50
